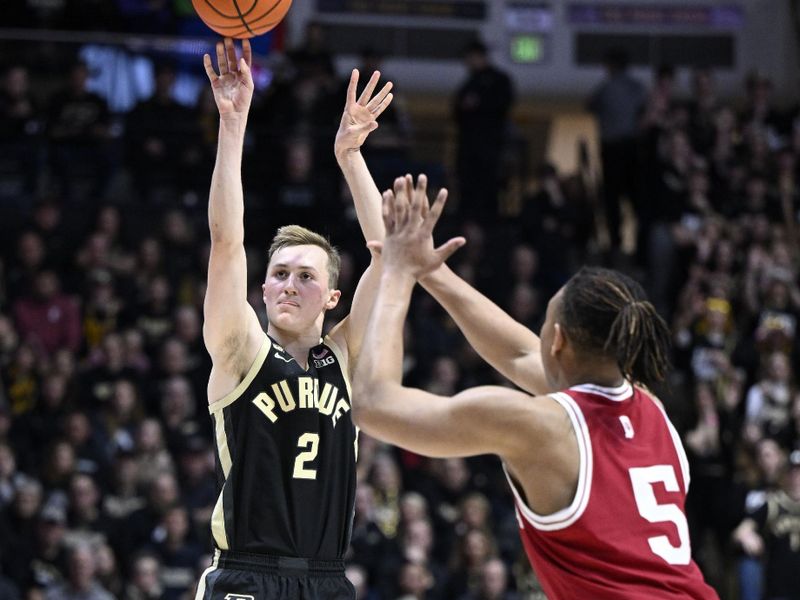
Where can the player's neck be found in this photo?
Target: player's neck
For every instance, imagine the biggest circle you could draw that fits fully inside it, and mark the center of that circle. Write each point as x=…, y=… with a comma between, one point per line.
x=604, y=375
x=296, y=344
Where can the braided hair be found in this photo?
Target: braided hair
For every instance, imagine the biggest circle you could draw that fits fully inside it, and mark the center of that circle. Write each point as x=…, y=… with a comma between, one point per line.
x=606, y=312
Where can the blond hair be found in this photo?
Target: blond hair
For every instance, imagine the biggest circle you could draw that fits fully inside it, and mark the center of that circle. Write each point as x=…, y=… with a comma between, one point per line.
x=295, y=235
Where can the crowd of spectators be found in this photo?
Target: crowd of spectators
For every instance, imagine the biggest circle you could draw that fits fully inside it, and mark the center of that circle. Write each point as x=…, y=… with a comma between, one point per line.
x=106, y=456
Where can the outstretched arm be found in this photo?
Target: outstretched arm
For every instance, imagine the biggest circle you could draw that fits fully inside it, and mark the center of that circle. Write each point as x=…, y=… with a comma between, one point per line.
x=508, y=346
x=230, y=324
x=477, y=421
x=359, y=119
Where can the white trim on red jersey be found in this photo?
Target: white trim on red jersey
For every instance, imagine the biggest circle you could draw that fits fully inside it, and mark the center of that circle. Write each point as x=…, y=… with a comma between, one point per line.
x=676, y=439
x=617, y=394
x=566, y=516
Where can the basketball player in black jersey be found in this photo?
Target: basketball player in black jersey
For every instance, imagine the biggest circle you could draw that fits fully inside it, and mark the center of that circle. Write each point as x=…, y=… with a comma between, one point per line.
x=280, y=401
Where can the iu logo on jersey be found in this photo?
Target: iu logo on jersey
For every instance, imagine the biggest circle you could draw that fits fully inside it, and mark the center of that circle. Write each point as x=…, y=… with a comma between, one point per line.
x=239, y=597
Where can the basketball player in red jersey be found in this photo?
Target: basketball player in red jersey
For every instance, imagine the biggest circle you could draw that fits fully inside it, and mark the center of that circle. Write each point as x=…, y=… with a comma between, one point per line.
x=597, y=469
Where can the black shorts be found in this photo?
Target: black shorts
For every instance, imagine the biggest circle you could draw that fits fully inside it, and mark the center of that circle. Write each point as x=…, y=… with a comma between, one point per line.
x=241, y=576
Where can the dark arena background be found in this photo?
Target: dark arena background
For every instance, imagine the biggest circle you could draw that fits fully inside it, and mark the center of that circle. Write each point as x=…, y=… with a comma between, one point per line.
x=688, y=181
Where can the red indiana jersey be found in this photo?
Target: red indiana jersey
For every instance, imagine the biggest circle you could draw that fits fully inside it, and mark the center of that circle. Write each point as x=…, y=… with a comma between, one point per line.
x=625, y=535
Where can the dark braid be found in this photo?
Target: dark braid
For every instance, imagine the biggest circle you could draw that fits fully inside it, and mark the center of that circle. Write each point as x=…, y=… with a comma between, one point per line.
x=607, y=312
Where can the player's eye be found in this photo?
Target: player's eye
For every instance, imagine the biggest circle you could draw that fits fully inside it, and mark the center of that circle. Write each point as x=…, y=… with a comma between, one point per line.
x=306, y=275
x=280, y=274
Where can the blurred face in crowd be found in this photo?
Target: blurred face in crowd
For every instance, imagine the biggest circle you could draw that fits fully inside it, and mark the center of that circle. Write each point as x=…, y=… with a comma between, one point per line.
x=494, y=579
x=51, y=532
x=63, y=459
x=187, y=324
x=477, y=547
x=385, y=474
x=164, y=491
x=146, y=575
x=106, y=562
x=173, y=356
x=413, y=507
x=124, y=399
x=415, y=580
x=475, y=511
x=418, y=534
x=83, y=494
x=176, y=524
x=177, y=402
x=296, y=290
x=27, y=500
x=365, y=500
x=30, y=250
x=771, y=459
x=455, y=474
x=149, y=254
x=78, y=430
x=17, y=82
x=445, y=371
x=113, y=350
x=778, y=368
x=53, y=390
x=81, y=567
x=149, y=436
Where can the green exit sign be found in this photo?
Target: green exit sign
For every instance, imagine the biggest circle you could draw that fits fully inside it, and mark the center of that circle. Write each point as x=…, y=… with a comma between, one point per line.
x=527, y=48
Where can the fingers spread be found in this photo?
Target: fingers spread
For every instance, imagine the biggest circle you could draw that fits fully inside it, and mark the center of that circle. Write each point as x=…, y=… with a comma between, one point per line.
x=379, y=98
x=447, y=249
x=383, y=106
x=222, y=62
x=351, y=87
x=212, y=75
x=230, y=52
x=247, y=52
x=367, y=93
x=436, y=210
x=388, y=210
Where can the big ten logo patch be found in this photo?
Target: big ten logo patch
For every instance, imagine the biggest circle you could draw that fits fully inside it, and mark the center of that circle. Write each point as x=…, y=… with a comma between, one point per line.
x=239, y=597
x=321, y=358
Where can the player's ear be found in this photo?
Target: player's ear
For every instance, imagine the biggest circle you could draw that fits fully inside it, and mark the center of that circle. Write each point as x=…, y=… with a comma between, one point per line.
x=333, y=299
x=558, y=340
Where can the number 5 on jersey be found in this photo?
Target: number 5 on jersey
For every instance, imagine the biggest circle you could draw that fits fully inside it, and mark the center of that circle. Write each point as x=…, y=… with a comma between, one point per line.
x=643, y=479
x=310, y=442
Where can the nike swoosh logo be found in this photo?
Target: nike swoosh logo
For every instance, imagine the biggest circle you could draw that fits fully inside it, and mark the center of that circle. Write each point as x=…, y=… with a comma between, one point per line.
x=288, y=360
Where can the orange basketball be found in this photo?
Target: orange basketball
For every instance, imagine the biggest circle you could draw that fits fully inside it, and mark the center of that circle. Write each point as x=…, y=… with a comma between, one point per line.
x=241, y=18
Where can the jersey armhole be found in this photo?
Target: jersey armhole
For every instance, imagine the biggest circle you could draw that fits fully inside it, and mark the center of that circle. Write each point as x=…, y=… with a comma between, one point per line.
x=683, y=460
x=566, y=516
x=234, y=395
x=343, y=359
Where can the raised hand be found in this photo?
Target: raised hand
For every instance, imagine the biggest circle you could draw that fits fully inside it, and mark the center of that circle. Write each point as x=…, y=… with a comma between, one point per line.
x=360, y=115
x=233, y=87
x=409, y=221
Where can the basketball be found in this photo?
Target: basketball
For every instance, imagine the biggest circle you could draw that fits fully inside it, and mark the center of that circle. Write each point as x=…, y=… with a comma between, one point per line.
x=241, y=18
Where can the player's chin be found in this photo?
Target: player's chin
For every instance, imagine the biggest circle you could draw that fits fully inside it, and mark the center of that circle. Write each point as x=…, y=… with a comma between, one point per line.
x=289, y=321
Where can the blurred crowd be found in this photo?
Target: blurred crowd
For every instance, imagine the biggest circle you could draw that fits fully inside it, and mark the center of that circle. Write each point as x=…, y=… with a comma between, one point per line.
x=106, y=456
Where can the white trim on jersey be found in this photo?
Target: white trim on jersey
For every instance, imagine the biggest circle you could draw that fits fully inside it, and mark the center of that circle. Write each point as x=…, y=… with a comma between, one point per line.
x=566, y=516
x=617, y=394
x=676, y=440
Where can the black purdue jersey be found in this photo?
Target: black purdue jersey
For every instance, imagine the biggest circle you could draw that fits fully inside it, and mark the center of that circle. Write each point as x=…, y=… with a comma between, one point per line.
x=286, y=457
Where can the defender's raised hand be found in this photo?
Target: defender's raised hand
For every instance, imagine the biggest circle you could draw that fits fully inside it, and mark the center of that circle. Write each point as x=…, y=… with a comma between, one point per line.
x=360, y=115
x=233, y=86
x=409, y=221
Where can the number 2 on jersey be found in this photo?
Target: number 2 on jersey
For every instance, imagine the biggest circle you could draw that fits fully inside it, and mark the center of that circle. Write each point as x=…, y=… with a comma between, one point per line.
x=642, y=479
x=311, y=442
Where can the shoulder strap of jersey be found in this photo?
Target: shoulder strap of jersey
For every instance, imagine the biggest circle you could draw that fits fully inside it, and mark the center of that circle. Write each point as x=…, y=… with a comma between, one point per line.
x=234, y=395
